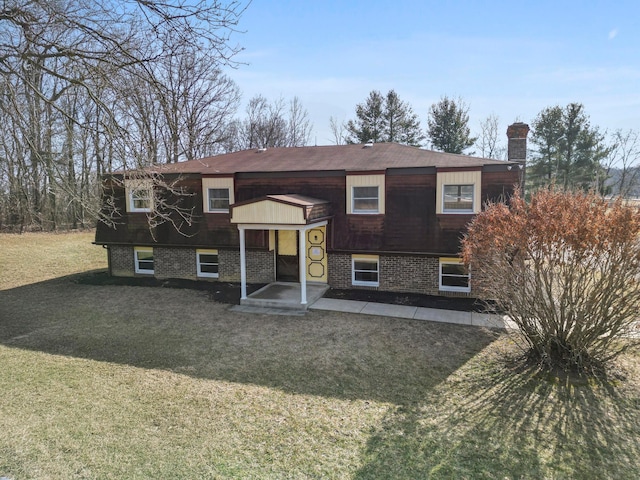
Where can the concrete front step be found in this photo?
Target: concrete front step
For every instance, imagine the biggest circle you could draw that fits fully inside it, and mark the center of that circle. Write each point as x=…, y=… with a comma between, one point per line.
x=284, y=296
x=267, y=310
x=280, y=304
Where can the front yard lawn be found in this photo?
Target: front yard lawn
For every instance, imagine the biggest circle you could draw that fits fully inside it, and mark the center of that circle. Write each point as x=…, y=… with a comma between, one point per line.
x=103, y=382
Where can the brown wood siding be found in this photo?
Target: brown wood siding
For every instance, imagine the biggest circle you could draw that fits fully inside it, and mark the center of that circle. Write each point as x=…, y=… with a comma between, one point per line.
x=359, y=232
x=347, y=232
x=497, y=185
x=410, y=223
x=411, y=206
x=207, y=229
x=331, y=188
x=320, y=211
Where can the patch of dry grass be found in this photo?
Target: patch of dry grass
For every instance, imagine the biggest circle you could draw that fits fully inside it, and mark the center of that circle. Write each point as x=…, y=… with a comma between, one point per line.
x=136, y=382
x=34, y=257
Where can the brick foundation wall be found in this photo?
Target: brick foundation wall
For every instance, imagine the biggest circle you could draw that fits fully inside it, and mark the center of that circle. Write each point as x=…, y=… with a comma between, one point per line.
x=182, y=263
x=229, y=265
x=121, y=261
x=339, y=267
x=260, y=266
x=175, y=263
x=398, y=273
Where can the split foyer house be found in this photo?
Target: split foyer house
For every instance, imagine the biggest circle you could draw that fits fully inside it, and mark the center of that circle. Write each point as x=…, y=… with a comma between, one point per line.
x=377, y=216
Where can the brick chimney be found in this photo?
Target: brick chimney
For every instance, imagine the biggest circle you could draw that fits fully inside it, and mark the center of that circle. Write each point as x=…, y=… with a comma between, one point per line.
x=517, y=147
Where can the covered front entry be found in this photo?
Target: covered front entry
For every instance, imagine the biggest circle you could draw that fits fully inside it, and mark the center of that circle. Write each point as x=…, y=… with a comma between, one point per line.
x=297, y=235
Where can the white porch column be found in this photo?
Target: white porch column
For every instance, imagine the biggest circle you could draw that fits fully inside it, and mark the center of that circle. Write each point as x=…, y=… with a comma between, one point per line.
x=243, y=266
x=302, y=264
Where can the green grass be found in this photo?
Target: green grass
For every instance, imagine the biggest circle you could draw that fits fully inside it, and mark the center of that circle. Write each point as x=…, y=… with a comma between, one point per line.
x=103, y=382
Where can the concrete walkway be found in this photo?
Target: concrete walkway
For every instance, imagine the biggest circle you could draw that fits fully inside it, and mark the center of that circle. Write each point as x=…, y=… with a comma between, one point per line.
x=415, y=313
x=281, y=298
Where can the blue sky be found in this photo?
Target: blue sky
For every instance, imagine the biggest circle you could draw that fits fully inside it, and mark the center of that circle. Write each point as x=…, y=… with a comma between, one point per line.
x=511, y=59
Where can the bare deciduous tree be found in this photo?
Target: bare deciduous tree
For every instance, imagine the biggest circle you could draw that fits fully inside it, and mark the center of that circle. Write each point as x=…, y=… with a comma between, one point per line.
x=84, y=89
x=270, y=124
x=488, y=143
x=623, y=163
x=337, y=131
x=299, y=124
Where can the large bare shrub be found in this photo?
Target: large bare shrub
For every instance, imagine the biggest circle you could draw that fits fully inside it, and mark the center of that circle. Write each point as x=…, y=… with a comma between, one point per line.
x=565, y=267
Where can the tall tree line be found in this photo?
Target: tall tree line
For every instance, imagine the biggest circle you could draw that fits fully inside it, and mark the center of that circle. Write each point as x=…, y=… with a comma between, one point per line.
x=88, y=87
x=564, y=149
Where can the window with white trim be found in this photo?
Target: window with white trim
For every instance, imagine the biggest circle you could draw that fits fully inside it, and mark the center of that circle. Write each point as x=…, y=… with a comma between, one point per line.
x=140, y=199
x=143, y=257
x=207, y=261
x=457, y=198
x=365, y=270
x=458, y=192
x=366, y=199
x=365, y=194
x=454, y=276
x=218, y=200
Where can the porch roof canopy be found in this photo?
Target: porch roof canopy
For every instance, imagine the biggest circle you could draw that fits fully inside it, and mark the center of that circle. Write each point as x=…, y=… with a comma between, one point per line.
x=289, y=209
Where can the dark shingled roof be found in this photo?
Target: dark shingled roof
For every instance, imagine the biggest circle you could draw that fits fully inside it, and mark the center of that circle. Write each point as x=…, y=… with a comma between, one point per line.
x=378, y=157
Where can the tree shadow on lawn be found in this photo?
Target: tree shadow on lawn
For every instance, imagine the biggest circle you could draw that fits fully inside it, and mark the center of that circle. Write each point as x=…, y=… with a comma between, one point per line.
x=500, y=421
x=323, y=353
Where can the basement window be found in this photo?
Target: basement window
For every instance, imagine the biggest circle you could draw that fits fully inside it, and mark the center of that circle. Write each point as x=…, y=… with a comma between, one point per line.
x=454, y=276
x=207, y=261
x=143, y=260
x=365, y=270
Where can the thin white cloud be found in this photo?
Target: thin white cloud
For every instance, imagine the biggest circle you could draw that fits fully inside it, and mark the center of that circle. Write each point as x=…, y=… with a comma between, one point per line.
x=613, y=34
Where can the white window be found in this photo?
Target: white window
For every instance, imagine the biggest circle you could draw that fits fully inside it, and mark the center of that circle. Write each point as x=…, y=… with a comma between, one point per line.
x=365, y=270
x=365, y=199
x=217, y=194
x=457, y=198
x=458, y=192
x=365, y=194
x=218, y=200
x=140, y=199
x=207, y=263
x=143, y=260
x=454, y=276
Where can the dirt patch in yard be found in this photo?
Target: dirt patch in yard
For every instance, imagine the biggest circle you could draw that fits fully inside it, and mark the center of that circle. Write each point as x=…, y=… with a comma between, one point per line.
x=229, y=292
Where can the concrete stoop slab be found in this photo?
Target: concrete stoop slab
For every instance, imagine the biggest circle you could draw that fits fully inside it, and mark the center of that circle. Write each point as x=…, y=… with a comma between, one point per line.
x=267, y=310
x=281, y=296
